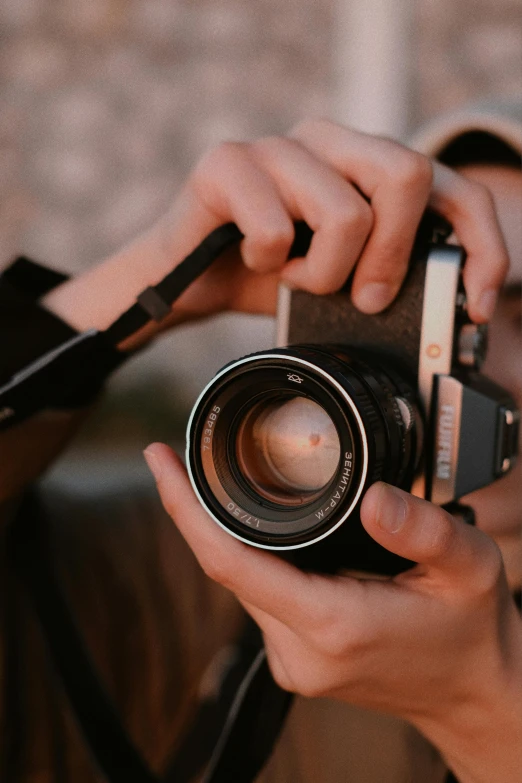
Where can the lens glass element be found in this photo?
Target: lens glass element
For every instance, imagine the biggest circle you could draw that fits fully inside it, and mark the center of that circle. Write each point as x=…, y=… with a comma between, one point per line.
x=288, y=449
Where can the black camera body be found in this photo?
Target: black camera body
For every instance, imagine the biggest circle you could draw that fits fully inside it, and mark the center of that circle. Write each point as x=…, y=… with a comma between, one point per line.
x=282, y=445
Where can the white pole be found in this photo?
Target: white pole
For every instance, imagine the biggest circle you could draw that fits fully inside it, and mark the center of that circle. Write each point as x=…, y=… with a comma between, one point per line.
x=373, y=54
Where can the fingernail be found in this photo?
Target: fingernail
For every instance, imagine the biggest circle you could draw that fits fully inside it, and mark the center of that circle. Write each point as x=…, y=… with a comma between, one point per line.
x=373, y=297
x=487, y=302
x=392, y=509
x=152, y=460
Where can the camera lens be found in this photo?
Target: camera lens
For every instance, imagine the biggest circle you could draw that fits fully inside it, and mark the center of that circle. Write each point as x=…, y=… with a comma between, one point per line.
x=288, y=450
x=282, y=444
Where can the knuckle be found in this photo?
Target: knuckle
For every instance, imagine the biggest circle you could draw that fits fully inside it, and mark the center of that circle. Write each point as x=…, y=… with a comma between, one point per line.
x=272, y=239
x=439, y=538
x=326, y=636
x=482, y=196
x=291, y=674
x=215, y=569
x=269, y=143
x=310, y=688
x=473, y=198
x=414, y=171
x=310, y=127
x=282, y=679
x=348, y=218
x=337, y=639
x=490, y=570
x=270, y=148
x=321, y=285
x=350, y=643
x=278, y=671
x=304, y=677
x=213, y=161
x=334, y=644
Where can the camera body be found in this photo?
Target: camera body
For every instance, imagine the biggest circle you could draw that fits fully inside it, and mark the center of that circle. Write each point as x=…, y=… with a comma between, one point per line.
x=282, y=445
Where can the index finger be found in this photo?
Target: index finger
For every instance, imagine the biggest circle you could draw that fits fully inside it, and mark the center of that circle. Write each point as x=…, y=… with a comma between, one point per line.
x=396, y=181
x=254, y=575
x=376, y=164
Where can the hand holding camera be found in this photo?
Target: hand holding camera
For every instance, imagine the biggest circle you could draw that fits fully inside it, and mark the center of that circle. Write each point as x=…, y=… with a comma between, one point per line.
x=362, y=196
x=402, y=645
x=296, y=450
x=440, y=643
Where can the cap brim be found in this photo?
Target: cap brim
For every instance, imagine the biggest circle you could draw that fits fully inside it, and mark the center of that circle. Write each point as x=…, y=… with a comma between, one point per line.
x=501, y=120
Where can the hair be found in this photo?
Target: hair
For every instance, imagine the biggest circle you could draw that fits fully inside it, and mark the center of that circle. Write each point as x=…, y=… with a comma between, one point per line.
x=477, y=146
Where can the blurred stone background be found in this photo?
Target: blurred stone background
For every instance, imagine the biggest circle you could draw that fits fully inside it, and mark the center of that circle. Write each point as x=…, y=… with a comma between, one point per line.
x=105, y=105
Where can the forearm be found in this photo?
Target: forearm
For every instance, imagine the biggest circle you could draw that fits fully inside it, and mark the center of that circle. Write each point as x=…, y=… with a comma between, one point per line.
x=94, y=299
x=91, y=300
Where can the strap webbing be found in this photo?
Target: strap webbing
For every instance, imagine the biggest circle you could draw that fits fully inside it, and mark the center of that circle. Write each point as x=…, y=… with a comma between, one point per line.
x=176, y=281
x=166, y=292
x=247, y=735
x=31, y=279
x=254, y=723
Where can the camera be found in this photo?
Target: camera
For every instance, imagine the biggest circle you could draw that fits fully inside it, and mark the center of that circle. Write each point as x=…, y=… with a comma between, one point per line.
x=283, y=444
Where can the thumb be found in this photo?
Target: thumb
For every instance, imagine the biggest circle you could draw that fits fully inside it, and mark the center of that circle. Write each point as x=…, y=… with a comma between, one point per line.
x=420, y=531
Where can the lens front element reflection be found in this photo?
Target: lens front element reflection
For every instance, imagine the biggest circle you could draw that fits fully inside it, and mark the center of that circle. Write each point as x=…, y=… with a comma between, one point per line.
x=288, y=450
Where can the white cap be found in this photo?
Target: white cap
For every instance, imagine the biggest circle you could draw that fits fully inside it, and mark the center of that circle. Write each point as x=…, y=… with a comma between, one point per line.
x=502, y=119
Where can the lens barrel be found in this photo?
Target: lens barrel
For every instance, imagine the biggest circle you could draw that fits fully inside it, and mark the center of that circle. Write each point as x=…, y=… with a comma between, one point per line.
x=282, y=444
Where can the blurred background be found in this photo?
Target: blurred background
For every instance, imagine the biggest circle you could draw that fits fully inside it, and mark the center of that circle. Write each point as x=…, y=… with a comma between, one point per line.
x=105, y=106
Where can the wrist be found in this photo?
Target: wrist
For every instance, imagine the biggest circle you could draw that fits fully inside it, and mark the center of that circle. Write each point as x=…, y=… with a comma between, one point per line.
x=97, y=297
x=481, y=741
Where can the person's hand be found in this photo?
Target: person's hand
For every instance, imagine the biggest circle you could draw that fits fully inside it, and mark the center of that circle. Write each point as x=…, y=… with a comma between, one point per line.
x=362, y=195
x=439, y=645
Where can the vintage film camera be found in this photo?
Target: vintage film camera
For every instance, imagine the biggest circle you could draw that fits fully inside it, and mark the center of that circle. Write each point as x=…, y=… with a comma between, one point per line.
x=282, y=444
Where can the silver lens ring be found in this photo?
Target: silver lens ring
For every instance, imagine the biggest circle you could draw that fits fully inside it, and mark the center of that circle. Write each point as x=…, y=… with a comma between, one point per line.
x=296, y=374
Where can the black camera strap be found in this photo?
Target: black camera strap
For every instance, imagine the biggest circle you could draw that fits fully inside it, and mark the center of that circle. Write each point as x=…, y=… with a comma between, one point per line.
x=72, y=372
x=155, y=302
x=235, y=735
x=246, y=722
